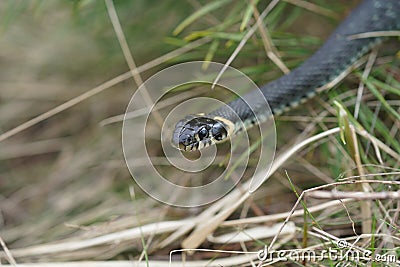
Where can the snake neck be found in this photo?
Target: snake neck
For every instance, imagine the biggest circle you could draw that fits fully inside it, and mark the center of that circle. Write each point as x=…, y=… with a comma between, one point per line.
x=326, y=65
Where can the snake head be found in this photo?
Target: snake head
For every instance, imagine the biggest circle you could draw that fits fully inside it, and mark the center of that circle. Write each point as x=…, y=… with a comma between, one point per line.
x=197, y=132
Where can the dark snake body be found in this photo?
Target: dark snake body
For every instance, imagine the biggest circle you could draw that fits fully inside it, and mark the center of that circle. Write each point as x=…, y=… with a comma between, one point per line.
x=337, y=54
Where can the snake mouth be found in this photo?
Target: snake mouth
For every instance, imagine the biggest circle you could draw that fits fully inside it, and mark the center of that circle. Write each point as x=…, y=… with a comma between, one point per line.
x=197, y=132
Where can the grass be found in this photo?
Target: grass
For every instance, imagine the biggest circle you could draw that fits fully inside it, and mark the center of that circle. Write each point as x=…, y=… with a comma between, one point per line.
x=67, y=197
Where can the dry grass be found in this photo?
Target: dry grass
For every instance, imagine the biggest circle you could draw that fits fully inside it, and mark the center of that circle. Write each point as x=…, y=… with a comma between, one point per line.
x=67, y=199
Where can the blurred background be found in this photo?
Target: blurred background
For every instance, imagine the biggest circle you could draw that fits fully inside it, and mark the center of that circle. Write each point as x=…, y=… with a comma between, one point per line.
x=68, y=169
x=64, y=177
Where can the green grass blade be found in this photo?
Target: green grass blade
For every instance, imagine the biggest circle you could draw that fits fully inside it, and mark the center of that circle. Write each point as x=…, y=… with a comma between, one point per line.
x=384, y=86
x=198, y=14
x=210, y=53
x=247, y=15
x=380, y=97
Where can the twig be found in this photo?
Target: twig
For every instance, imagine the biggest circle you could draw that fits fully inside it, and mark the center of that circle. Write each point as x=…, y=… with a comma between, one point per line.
x=313, y=8
x=272, y=54
x=366, y=72
x=244, y=40
x=374, y=34
x=7, y=252
x=129, y=59
x=353, y=195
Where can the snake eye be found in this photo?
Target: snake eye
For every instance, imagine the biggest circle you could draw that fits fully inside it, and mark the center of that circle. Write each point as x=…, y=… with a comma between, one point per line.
x=203, y=133
x=218, y=131
x=187, y=140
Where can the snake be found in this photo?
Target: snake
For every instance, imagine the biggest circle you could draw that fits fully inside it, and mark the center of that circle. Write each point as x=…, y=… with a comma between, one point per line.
x=338, y=53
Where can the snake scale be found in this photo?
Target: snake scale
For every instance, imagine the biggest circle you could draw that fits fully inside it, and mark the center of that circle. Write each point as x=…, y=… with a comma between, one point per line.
x=337, y=54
